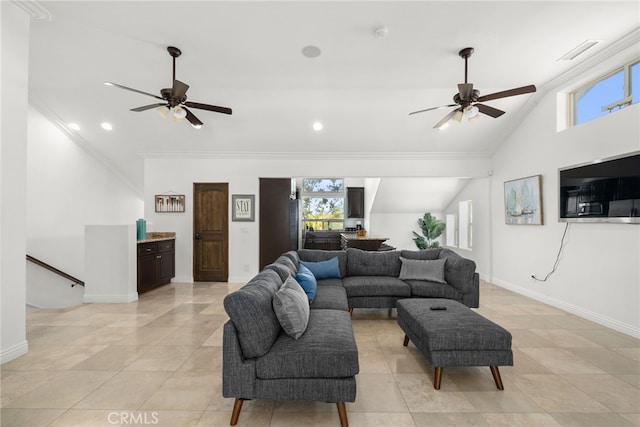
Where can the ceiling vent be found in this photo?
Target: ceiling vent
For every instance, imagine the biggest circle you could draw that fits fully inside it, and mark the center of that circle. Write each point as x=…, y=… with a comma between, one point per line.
x=579, y=50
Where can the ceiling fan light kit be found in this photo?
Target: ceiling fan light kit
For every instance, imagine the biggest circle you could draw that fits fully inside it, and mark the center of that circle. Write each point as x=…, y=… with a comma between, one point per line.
x=175, y=98
x=467, y=101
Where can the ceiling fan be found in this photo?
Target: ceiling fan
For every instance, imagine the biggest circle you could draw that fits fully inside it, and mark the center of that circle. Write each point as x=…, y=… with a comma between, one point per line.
x=467, y=100
x=175, y=98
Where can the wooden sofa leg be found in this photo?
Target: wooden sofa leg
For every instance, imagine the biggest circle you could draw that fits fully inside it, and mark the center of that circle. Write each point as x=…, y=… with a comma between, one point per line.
x=437, y=377
x=496, y=377
x=342, y=413
x=350, y=311
x=237, y=406
x=406, y=341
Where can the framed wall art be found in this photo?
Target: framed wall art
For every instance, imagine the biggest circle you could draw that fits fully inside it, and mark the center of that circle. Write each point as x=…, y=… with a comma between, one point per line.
x=243, y=207
x=169, y=203
x=523, y=201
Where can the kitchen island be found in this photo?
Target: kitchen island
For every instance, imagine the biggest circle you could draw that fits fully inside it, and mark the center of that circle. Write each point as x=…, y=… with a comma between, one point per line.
x=366, y=242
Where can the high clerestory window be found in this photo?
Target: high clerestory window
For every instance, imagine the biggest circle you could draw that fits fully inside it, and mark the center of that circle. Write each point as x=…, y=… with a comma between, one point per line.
x=323, y=203
x=607, y=94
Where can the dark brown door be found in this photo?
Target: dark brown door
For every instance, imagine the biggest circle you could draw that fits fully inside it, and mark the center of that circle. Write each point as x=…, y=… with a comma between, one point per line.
x=210, y=232
x=274, y=218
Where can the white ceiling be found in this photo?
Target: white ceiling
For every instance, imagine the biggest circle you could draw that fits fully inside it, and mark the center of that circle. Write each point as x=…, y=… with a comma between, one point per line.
x=247, y=55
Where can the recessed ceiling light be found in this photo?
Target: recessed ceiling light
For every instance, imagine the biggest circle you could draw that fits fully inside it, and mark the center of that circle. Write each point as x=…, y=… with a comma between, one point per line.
x=317, y=126
x=311, y=51
x=380, y=32
x=106, y=126
x=74, y=126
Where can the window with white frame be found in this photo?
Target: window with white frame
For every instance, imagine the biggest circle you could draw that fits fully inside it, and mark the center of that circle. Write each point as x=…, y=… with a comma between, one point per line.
x=323, y=203
x=609, y=93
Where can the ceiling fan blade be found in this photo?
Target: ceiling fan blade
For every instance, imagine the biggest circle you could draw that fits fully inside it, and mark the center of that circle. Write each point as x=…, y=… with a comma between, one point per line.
x=133, y=90
x=192, y=118
x=505, y=93
x=215, y=108
x=489, y=111
x=179, y=90
x=445, y=119
x=434, y=108
x=148, y=107
x=465, y=90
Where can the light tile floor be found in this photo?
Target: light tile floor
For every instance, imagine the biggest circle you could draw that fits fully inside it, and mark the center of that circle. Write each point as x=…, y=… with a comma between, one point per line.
x=158, y=362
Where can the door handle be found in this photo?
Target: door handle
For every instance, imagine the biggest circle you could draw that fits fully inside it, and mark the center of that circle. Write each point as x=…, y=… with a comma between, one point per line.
x=197, y=236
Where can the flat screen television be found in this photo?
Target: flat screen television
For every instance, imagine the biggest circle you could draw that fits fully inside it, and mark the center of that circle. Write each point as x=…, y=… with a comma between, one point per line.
x=605, y=190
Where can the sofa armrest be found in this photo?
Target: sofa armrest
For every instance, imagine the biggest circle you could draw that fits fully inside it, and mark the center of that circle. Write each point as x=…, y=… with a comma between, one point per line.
x=458, y=271
x=238, y=373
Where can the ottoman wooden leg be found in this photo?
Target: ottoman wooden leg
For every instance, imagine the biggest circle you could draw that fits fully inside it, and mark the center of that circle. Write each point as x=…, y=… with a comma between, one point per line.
x=437, y=377
x=342, y=413
x=496, y=377
x=237, y=406
x=350, y=311
x=406, y=341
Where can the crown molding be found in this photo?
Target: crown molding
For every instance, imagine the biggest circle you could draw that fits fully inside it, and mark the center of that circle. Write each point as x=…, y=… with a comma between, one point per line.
x=336, y=155
x=34, y=9
x=50, y=115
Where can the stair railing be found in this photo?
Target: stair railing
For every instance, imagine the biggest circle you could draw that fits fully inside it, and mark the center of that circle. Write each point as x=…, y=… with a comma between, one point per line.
x=43, y=264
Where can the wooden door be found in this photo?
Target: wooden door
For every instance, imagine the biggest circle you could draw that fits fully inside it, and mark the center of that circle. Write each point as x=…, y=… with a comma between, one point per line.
x=210, y=232
x=274, y=218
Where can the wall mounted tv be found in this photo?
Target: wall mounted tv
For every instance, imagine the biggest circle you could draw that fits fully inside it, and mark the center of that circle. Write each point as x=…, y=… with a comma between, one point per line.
x=605, y=190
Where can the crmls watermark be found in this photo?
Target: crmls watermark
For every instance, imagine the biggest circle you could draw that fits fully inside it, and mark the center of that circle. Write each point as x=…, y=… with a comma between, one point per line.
x=125, y=418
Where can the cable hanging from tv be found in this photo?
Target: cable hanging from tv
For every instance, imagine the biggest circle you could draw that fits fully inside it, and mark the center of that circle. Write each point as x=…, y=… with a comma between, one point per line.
x=555, y=264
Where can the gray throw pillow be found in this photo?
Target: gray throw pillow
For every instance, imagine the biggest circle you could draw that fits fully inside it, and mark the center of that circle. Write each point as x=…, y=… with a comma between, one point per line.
x=431, y=270
x=292, y=308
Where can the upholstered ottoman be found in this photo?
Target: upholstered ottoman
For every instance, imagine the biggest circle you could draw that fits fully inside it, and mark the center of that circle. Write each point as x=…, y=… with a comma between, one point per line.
x=455, y=336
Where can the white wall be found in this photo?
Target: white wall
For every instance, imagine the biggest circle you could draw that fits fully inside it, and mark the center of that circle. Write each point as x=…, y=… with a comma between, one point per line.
x=478, y=190
x=598, y=275
x=164, y=175
x=14, y=71
x=67, y=188
x=398, y=228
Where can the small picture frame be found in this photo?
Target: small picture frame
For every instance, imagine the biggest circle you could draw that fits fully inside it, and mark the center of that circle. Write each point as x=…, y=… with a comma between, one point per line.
x=166, y=203
x=523, y=201
x=243, y=207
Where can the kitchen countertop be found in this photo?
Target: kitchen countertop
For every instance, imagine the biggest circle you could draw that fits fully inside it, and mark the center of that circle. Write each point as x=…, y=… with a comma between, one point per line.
x=354, y=236
x=157, y=236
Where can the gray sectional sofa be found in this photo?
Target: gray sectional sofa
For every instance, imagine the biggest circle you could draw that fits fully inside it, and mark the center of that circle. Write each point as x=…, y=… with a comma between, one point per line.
x=261, y=360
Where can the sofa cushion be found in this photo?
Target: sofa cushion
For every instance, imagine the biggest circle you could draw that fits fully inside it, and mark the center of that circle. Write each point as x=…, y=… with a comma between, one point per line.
x=327, y=350
x=369, y=286
x=284, y=266
x=251, y=311
x=330, y=297
x=426, y=289
x=372, y=263
x=307, y=280
x=315, y=255
x=433, y=253
x=417, y=269
x=293, y=256
x=292, y=308
x=328, y=269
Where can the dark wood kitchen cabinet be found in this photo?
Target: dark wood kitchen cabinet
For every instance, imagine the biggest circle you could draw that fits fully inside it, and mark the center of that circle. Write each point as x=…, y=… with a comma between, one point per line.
x=156, y=264
x=355, y=202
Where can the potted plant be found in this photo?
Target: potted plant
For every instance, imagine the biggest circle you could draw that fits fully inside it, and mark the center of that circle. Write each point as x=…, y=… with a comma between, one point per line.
x=431, y=228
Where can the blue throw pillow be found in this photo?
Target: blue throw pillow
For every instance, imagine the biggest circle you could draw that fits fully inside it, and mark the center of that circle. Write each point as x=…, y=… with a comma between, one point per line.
x=308, y=281
x=329, y=269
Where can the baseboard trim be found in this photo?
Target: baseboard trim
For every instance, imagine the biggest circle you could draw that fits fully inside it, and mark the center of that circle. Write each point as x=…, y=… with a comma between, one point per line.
x=14, y=352
x=110, y=299
x=598, y=318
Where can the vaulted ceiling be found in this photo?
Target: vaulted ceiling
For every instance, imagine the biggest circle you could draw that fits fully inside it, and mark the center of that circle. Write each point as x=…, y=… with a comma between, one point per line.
x=248, y=56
